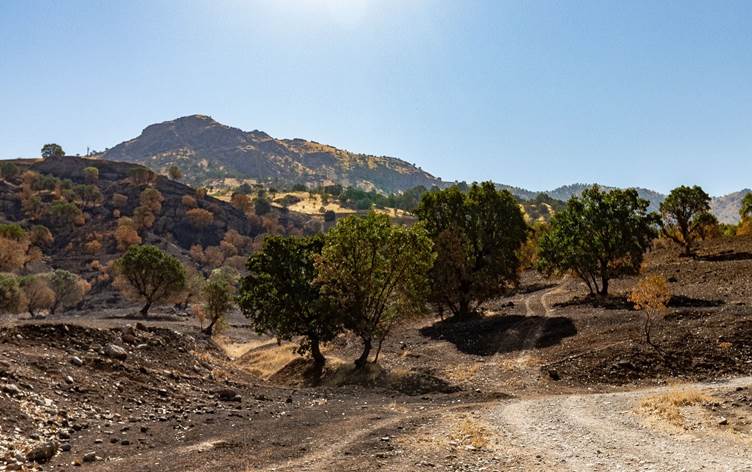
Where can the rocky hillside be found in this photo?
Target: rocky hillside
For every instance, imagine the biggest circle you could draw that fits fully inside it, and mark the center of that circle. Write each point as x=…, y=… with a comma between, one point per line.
x=726, y=208
x=207, y=152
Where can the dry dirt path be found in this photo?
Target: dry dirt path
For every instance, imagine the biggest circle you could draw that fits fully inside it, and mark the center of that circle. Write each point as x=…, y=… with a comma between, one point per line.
x=605, y=432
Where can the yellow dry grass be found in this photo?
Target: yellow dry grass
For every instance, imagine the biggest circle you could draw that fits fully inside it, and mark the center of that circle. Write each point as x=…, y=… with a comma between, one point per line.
x=668, y=406
x=267, y=360
x=470, y=432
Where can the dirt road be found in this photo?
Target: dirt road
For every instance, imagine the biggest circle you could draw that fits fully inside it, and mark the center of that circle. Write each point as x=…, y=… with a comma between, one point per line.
x=605, y=432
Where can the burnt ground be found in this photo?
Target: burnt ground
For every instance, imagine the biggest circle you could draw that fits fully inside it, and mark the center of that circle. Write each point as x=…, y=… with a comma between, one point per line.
x=444, y=396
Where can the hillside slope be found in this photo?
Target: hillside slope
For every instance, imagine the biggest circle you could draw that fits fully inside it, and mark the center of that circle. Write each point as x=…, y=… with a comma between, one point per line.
x=207, y=151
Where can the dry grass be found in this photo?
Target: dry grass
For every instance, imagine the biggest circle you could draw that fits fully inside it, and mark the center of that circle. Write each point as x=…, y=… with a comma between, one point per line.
x=268, y=359
x=463, y=373
x=471, y=433
x=668, y=406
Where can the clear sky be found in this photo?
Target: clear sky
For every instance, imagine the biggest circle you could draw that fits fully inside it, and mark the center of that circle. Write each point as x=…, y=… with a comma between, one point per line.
x=529, y=93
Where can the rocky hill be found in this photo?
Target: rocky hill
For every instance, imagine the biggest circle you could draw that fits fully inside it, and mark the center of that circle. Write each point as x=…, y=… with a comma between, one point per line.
x=726, y=208
x=208, y=152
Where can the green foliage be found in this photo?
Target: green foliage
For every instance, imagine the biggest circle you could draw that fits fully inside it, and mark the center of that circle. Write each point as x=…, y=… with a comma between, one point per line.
x=477, y=235
x=88, y=195
x=376, y=273
x=12, y=299
x=12, y=231
x=684, y=213
x=151, y=274
x=91, y=174
x=597, y=236
x=8, y=170
x=63, y=214
x=219, y=296
x=280, y=296
x=52, y=150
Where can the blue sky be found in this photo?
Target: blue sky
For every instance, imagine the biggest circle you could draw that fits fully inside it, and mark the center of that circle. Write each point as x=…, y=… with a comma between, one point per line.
x=531, y=93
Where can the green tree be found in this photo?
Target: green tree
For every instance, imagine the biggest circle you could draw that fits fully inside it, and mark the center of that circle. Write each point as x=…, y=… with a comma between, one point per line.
x=280, y=296
x=376, y=273
x=52, y=150
x=597, y=236
x=147, y=273
x=684, y=213
x=88, y=195
x=219, y=296
x=477, y=235
x=64, y=214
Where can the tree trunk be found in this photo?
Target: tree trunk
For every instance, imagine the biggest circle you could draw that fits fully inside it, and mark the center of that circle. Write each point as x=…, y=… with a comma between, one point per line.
x=647, y=329
x=210, y=329
x=378, y=350
x=360, y=362
x=145, y=309
x=318, y=358
x=604, y=286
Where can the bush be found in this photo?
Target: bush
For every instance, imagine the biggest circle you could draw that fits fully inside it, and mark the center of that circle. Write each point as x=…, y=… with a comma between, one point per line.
x=63, y=215
x=219, y=297
x=126, y=233
x=68, y=288
x=91, y=174
x=262, y=206
x=188, y=201
x=199, y=218
x=651, y=295
x=12, y=299
x=147, y=273
x=38, y=294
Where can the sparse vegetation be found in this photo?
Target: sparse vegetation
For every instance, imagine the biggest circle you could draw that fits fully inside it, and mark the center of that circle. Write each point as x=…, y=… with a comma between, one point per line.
x=651, y=295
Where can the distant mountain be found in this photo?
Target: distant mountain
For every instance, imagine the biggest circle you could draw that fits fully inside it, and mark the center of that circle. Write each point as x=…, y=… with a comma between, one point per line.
x=209, y=152
x=566, y=192
x=726, y=208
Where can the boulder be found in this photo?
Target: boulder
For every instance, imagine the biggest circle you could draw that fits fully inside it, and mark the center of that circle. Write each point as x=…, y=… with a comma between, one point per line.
x=115, y=352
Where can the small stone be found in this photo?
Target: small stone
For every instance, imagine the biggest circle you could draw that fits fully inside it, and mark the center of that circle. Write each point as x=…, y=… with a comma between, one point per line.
x=90, y=456
x=68, y=379
x=65, y=447
x=10, y=389
x=75, y=360
x=722, y=421
x=115, y=352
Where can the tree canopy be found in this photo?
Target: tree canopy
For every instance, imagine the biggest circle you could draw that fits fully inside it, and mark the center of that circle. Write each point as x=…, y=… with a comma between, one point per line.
x=52, y=150
x=376, y=274
x=685, y=212
x=597, y=236
x=150, y=274
x=281, y=297
x=477, y=235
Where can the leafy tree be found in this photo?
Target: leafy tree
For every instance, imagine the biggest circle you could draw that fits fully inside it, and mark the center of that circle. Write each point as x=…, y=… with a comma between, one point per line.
x=68, y=288
x=52, y=150
x=14, y=247
x=12, y=298
x=38, y=294
x=219, y=296
x=684, y=212
x=175, y=173
x=376, y=273
x=140, y=175
x=88, y=195
x=477, y=235
x=280, y=296
x=150, y=274
x=151, y=199
x=651, y=295
x=597, y=236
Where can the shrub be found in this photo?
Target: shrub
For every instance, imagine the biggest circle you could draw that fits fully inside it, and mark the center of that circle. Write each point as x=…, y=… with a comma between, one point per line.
x=151, y=199
x=63, y=215
x=219, y=297
x=174, y=172
x=119, y=200
x=8, y=170
x=141, y=176
x=12, y=299
x=199, y=218
x=38, y=294
x=91, y=174
x=143, y=217
x=126, y=234
x=68, y=288
x=188, y=201
x=651, y=295
x=262, y=206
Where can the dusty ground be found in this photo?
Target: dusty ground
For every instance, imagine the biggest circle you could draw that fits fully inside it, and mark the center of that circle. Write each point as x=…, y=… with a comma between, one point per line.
x=544, y=381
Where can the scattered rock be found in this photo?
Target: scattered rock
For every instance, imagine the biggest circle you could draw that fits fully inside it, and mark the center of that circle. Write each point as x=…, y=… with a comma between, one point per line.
x=11, y=389
x=42, y=453
x=115, y=352
x=228, y=395
x=75, y=360
x=90, y=457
